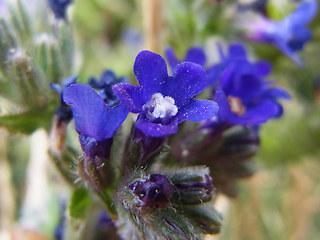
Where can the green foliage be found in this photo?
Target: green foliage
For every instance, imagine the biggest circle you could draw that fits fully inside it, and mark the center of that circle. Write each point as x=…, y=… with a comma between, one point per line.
x=278, y=10
x=282, y=145
x=28, y=122
x=29, y=61
x=79, y=203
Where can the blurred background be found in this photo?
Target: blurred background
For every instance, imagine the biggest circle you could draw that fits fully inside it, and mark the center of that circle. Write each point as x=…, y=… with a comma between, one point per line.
x=281, y=201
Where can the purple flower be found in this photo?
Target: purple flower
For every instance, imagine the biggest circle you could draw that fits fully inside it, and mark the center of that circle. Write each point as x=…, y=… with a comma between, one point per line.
x=244, y=97
x=59, y=8
x=235, y=52
x=290, y=34
x=154, y=191
x=194, y=54
x=95, y=122
x=164, y=101
x=104, y=86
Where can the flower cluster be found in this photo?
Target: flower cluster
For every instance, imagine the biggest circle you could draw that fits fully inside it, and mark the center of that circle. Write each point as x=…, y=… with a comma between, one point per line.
x=220, y=130
x=239, y=95
x=243, y=95
x=290, y=34
x=154, y=148
x=246, y=100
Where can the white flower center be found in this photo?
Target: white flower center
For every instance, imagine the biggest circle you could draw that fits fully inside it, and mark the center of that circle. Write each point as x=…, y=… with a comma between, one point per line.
x=160, y=107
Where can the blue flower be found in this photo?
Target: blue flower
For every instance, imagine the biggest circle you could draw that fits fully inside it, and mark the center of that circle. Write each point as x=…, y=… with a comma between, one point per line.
x=95, y=122
x=104, y=86
x=59, y=7
x=290, y=34
x=235, y=52
x=164, y=101
x=194, y=54
x=244, y=97
x=153, y=191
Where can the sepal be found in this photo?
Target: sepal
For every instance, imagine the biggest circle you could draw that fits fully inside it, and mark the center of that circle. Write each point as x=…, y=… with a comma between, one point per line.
x=206, y=217
x=96, y=172
x=162, y=215
x=148, y=146
x=94, y=167
x=27, y=78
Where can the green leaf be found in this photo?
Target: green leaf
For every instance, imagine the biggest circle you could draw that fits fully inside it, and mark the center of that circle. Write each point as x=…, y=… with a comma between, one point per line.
x=29, y=121
x=79, y=204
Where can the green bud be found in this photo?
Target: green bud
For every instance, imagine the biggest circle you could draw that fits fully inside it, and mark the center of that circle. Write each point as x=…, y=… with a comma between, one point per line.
x=7, y=41
x=55, y=64
x=28, y=78
x=67, y=48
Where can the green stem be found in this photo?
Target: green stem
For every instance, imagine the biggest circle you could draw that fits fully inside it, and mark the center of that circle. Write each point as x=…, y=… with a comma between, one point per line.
x=108, y=201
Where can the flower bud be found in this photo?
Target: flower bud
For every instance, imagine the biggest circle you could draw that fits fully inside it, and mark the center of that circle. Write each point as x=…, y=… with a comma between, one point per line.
x=231, y=160
x=239, y=143
x=169, y=206
x=192, y=185
x=153, y=192
x=27, y=78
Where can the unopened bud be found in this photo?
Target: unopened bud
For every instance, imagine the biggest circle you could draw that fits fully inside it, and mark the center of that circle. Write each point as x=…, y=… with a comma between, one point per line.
x=154, y=191
x=192, y=185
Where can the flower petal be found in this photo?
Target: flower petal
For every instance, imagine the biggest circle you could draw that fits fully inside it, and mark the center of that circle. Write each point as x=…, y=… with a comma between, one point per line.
x=259, y=113
x=130, y=96
x=276, y=93
x=91, y=115
x=155, y=129
x=198, y=110
x=227, y=79
x=196, y=55
x=215, y=73
x=262, y=68
x=224, y=112
x=304, y=13
x=247, y=87
x=189, y=79
x=150, y=70
x=171, y=57
x=236, y=50
x=290, y=53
